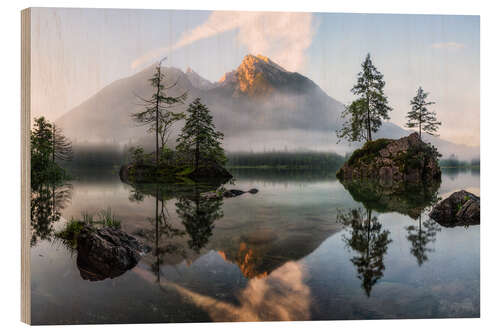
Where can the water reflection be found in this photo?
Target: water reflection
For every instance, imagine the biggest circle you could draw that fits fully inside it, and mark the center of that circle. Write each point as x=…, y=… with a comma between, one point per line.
x=196, y=210
x=47, y=202
x=277, y=255
x=370, y=241
x=420, y=237
x=367, y=235
x=410, y=201
x=198, y=214
x=282, y=295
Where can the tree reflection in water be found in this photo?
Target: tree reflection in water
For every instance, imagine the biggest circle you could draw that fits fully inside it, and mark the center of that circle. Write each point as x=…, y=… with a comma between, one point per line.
x=370, y=241
x=196, y=210
x=47, y=201
x=420, y=237
x=198, y=213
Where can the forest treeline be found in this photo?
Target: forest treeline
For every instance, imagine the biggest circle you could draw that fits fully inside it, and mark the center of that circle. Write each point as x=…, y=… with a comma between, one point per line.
x=286, y=159
x=99, y=154
x=109, y=154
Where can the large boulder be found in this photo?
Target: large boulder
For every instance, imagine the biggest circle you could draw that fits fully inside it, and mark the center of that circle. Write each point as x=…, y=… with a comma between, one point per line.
x=106, y=253
x=462, y=208
x=393, y=162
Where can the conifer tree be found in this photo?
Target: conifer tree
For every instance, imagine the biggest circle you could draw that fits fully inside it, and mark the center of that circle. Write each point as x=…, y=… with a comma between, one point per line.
x=62, y=148
x=199, y=138
x=158, y=115
x=420, y=116
x=365, y=114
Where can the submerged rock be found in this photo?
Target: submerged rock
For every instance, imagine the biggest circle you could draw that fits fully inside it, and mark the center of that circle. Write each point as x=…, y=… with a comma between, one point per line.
x=462, y=208
x=106, y=253
x=393, y=162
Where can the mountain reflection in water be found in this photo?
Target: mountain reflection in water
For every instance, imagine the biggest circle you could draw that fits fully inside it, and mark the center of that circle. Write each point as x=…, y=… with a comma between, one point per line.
x=304, y=247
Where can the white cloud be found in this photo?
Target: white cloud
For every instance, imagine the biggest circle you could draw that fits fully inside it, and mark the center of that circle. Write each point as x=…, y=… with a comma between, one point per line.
x=283, y=37
x=448, y=45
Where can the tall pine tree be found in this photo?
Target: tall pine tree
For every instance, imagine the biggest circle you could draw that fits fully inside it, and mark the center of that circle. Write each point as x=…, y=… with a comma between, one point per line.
x=420, y=116
x=365, y=114
x=199, y=138
x=158, y=114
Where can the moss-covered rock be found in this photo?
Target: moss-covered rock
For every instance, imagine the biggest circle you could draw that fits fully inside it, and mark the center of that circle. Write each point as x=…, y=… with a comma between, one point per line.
x=393, y=163
x=462, y=208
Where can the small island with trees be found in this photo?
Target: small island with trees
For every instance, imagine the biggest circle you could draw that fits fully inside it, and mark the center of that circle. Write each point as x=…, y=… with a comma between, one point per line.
x=394, y=163
x=198, y=156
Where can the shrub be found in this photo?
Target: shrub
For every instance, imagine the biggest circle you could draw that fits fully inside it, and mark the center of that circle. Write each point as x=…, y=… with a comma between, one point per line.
x=368, y=151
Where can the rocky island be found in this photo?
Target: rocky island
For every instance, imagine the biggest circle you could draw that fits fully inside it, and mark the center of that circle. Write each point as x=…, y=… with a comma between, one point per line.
x=173, y=170
x=393, y=164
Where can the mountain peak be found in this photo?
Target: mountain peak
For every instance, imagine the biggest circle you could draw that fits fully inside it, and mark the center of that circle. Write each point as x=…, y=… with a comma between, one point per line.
x=256, y=75
x=197, y=80
x=260, y=61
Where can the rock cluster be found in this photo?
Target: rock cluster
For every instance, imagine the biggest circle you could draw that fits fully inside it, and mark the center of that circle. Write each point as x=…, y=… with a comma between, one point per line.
x=462, y=208
x=393, y=162
x=106, y=253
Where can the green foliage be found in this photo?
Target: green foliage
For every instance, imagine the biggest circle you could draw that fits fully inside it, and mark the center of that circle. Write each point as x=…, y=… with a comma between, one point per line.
x=368, y=152
x=44, y=168
x=287, y=160
x=137, y=154
x=199, y=139
x=108, y=219
x=416, y=156
x=69, y=234
x=365, y=114
x=157, y=114
x=419, y=116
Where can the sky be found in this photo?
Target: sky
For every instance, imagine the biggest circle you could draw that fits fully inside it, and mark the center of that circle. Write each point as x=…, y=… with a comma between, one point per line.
x=77, y=52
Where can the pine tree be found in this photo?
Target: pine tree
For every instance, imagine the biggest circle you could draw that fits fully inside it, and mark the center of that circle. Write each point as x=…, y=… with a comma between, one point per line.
x=158, y=114
x=420, y=116
x=199, y=138
x=43, y=166
x=62, y=148
x=365, y=114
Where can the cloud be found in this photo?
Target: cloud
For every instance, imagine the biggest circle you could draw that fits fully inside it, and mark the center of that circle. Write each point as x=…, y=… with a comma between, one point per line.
x=448, y=45
x=282, y=295
x=283, y=37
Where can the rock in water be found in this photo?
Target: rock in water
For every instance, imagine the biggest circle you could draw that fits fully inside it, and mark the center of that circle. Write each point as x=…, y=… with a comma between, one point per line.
x=253, y=191
x=393, y=162
x=462, y=208
x=106, y=253
x=232, y=193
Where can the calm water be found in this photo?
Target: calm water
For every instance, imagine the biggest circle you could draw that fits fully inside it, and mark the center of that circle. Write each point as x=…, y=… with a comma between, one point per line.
x=300, y=249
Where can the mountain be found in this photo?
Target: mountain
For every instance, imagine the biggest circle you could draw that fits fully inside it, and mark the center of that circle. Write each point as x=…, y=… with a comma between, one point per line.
x=258, y=106
x=197, y=81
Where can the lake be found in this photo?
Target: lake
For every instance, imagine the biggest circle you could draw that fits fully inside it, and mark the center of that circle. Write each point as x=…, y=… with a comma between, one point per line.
x=300, y=249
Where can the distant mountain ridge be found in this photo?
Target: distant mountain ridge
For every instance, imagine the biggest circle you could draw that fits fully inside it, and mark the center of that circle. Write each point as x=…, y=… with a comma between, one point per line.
x=259, y=105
